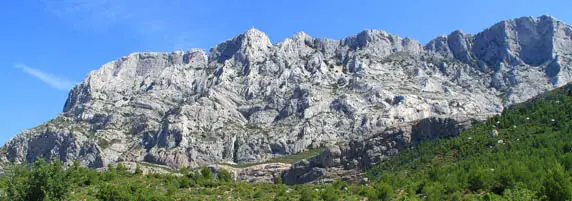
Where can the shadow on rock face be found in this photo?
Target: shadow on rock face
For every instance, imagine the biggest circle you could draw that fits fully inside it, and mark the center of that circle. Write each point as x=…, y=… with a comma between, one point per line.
x=364, y=153
x=432, y=128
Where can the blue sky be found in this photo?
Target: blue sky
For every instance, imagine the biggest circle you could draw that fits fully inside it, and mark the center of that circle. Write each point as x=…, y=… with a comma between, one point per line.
x=46, y=46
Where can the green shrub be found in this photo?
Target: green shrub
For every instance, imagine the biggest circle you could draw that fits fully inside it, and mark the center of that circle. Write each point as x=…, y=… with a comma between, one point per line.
x=330, y=194
x=556, y=186
x=16, y=183
x=138, y=170
x=113, y=192
x=519, y=193
x=206, y=174
x=224, y=176
x=258, y=194
x=477, y=180
x=184, y=171
x=308, y=193
x=278, y=179
x=186, y=182
x=383, y=191
x=43, y=181
x=121, y=169
x=433, y=191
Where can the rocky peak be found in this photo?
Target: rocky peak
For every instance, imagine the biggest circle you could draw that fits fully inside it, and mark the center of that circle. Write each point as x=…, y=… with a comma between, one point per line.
x=250, y=100
x=301, y=36
x=299, y=45
x=456, y=44
x=245, y=46
x=240, y=52
x=381, y=42
x=133, y=74
x=525, y=41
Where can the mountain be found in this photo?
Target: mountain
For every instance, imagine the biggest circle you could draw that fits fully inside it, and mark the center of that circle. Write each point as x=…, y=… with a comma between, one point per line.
x=523, y=154
x=249, y=100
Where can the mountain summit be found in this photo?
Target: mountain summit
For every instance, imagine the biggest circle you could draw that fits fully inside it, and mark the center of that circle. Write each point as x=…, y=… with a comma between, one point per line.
x=249, y=100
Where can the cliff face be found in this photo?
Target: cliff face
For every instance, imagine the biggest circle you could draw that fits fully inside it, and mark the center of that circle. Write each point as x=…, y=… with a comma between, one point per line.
x=509, y=48
x=249, y=99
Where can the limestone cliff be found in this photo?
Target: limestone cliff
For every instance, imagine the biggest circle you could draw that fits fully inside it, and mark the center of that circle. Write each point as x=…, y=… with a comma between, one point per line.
x=249, y=100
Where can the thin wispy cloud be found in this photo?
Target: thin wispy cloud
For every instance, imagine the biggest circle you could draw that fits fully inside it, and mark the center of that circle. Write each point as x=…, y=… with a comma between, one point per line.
x=154, y=22
x=93, y=14
x=53, y=81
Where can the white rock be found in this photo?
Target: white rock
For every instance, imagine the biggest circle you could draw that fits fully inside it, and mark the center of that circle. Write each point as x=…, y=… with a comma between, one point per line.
x=250, y=100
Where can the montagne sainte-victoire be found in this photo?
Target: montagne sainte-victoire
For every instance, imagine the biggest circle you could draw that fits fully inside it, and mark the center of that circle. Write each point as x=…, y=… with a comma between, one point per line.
x=364, y=98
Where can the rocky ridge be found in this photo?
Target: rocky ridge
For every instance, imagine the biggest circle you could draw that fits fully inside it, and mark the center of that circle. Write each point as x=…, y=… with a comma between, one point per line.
x=249, y=100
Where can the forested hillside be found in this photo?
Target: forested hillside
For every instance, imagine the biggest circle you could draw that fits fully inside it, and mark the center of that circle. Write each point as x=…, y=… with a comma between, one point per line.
x=523, y=154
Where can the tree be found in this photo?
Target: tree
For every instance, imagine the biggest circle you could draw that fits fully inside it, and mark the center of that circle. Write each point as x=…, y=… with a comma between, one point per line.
x=111, y=192
x=224, y=176
x=308, y=193
x=186, y=182
x=206, y=174
x=278, y=179
x=81, y=176
x=477, y=180
x=519, y=193
x=16, y=182
x=556, y=186
x=383, y=191
x=330, y=194
x=121, y=169
x=184, y=171
x=44, y=181
x=138, y=170
x=433, y=191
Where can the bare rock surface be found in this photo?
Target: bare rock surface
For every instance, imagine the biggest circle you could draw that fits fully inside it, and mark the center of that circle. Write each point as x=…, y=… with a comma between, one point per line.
x=249, y=100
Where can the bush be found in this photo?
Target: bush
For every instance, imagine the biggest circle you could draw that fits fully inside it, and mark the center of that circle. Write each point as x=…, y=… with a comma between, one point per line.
x=206, y=174
x=383, y=191
x=113, y=192
x=121, y=169
x=556, y=186
x=308, y=193
x=224, y=176
x=278, y=179
x=367, y=192
x=184, y=171
x=433, y=191
x=138, y=170
x=44, y=181
x=16, y=187
x=258, y=194
x=518, y=194
x=186, y=182
x=477, y=180
x=330, y=194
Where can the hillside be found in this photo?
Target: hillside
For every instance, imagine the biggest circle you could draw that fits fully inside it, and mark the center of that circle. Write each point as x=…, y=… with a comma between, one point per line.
x=248, y=100
x=529, y=159
x=531, y=156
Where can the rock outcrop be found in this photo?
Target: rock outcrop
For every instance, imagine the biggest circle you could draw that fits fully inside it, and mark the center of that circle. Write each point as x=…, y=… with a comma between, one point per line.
x=346, y=158
x=258, y=173
x=248, y=100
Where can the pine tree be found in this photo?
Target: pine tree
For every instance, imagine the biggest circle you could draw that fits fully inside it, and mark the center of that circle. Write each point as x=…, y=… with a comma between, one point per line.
x=138, y=170
x=556, y=186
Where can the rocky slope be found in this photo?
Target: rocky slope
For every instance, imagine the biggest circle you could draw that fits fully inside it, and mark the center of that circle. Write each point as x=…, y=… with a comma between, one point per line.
x=249, y=100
